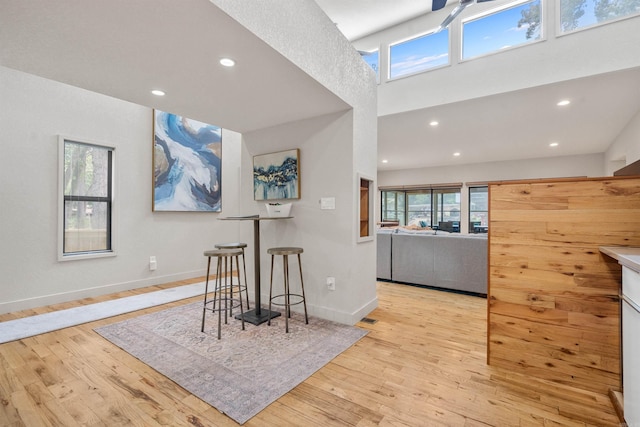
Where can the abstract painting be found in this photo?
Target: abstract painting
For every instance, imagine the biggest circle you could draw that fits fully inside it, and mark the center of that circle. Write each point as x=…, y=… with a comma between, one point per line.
x=277, y=175
x=187, y=156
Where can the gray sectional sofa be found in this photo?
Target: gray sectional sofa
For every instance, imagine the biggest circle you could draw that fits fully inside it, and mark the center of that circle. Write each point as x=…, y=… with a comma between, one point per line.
x=443, y=260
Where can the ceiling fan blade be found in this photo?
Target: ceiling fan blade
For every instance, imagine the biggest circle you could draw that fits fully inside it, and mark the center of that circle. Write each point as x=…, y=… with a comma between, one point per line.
x=438, y=4
x=453, y=15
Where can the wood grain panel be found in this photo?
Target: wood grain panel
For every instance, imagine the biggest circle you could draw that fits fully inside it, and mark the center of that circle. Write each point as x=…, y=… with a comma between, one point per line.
x=554, y=306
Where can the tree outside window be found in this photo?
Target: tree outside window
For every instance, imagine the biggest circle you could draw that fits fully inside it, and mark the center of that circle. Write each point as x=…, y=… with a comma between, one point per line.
x=87, y=194
x=425, y=206
x=577, y=14
x=502, y=29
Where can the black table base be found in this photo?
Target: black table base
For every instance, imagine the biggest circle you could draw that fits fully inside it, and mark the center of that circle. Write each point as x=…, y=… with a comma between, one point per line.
x=257, y=315
x=256, y=319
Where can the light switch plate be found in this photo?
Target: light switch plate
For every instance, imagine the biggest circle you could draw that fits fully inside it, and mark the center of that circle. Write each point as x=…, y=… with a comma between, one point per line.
x=328, y=203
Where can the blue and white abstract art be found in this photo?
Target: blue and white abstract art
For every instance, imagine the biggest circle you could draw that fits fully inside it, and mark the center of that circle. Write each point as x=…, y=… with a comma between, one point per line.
x=276, y=175
x=186, y=164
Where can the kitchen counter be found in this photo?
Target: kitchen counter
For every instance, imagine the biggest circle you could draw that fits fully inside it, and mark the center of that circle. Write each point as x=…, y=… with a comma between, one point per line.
x=626, y=256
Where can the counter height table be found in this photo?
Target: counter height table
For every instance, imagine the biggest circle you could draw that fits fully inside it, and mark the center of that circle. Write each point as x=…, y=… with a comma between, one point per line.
x=258, y=315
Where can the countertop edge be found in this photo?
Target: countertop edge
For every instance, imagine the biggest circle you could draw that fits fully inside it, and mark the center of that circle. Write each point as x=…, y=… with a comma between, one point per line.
x=625, y=255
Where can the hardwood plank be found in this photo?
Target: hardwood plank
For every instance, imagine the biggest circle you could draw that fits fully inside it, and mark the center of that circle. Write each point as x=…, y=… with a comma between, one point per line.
x=422, y=363
x=28, y=410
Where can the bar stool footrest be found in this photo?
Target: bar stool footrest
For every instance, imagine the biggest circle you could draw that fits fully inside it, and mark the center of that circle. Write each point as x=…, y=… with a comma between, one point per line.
x=225, y=304
x=283, y=304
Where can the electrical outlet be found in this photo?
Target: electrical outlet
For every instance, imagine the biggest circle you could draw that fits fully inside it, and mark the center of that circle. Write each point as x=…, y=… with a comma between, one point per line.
x=331, y=283
x=153, y=264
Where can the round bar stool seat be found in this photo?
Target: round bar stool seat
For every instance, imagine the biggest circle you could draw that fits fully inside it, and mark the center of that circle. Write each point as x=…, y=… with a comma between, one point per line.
x=222, y=300
x=298, y=298
x=238, y=245
x=285, y=251
x=235, y=245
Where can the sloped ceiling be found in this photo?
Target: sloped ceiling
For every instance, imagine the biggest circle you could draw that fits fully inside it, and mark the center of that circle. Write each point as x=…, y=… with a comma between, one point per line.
x=514, y=124
x=127, y=48
x=357, y=18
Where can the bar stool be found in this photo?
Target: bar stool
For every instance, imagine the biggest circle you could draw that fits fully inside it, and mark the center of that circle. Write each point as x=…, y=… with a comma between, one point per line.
x=237, y=245
x=285, y=252
x=222, y=292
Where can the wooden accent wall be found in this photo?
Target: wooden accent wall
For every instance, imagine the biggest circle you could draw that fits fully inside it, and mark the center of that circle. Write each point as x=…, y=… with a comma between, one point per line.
x=554, y=305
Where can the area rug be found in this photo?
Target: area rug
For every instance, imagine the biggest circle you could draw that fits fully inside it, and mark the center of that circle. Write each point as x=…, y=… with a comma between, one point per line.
x=12, y=330
x=243, y=372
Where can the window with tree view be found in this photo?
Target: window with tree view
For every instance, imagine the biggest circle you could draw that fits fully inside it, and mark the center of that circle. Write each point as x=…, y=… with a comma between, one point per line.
x=87, y=194
x=393, y=206
x=419, y=206
x=446, y=209
x=514, y=26
x=578, y=14
x=426, y=207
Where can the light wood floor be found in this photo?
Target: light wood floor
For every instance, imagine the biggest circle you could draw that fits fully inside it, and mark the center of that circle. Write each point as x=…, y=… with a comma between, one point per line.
x=423, y=363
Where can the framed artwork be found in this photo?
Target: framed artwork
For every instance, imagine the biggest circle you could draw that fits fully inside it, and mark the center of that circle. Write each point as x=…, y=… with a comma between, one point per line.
x=187, y=156
x=276, y=176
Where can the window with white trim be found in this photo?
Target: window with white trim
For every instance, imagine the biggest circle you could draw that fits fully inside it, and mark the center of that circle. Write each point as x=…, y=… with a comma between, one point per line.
x=86, y=187
x=419, y=54
x=501, y=29
x=579, y=14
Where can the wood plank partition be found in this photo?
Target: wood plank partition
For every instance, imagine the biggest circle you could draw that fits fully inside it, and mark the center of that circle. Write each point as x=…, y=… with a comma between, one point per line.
x=554, y=305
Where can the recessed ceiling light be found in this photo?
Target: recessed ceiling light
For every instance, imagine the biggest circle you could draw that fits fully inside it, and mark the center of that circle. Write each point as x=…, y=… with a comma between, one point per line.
x=385, y=161
x=227, y=62
x=434, y=123
x=457, y=154
x=563, y=103
x=157, y=92
x=553, y=144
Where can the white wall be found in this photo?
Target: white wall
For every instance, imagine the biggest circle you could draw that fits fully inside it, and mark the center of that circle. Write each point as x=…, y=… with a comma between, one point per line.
x=625, y=149
x=334, y=150
x=40, y=110
x=550, y=167
x=591, y=165
x=33, y=112
x=327, y=236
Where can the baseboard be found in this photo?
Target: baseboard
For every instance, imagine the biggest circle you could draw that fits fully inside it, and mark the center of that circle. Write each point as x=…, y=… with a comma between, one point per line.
x=341, y=316
x=44, y=300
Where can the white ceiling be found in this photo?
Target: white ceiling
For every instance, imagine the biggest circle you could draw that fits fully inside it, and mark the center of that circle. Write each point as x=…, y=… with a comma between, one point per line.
x=125, y=48
x=509, y=126
x=358, y=18
x=513, y=125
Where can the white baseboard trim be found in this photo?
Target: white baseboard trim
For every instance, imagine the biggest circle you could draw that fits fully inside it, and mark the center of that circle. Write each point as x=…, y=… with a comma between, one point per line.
x=339, y=316
x=364, y=311
x=44, y=300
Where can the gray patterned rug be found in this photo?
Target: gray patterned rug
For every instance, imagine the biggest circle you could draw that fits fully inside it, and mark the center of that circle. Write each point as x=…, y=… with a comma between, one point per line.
x=243, y=372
